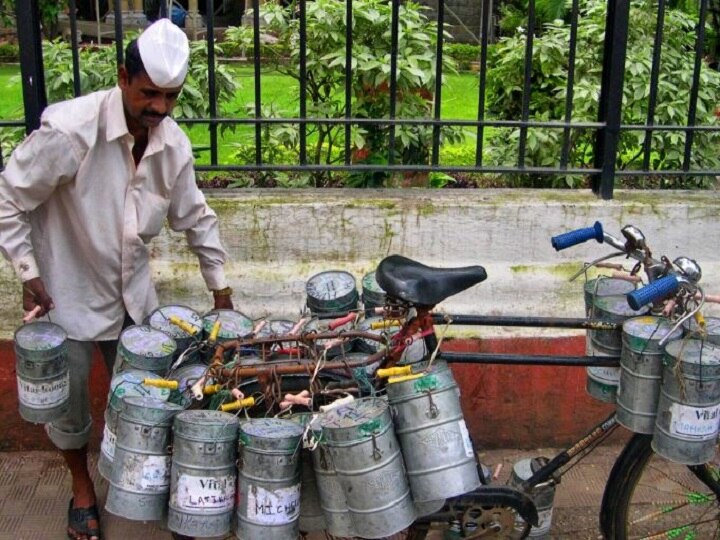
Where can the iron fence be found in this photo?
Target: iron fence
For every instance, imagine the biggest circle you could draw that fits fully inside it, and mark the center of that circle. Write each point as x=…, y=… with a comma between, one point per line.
x=607, y=129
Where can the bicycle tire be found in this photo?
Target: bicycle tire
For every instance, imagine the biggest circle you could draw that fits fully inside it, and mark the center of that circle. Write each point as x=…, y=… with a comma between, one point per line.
x=649, y=496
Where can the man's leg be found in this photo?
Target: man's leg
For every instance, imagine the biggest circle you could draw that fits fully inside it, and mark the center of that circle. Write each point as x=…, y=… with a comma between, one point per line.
x=70, y=433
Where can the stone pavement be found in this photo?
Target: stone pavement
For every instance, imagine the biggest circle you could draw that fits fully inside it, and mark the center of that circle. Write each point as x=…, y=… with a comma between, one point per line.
x=35, y=487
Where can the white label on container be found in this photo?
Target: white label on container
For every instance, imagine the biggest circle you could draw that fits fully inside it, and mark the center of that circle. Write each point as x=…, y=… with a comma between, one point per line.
x=155, y=472
x=695, y=423
x=467, y=443
x=544, y=522
x=276, y=507
x=108, y=443
x=205, y=492
x=44, y=395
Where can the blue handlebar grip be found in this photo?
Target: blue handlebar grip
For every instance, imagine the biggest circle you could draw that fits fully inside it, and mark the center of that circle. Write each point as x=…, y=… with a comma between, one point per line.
x=658, y=289
x=579, y=236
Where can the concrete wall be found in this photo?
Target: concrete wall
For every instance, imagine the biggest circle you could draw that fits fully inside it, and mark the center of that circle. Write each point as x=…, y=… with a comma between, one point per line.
x=277, y=239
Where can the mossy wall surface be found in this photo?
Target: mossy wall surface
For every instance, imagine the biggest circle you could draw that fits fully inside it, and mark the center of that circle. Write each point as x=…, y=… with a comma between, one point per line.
x=276, y=239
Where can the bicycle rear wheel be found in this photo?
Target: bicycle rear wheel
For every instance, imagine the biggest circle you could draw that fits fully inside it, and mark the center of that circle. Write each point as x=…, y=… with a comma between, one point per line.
x=648, y=496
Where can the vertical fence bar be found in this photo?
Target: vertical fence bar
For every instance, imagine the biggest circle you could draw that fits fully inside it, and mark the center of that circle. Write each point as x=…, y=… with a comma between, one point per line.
x=692, y=111
x=119, y=49
x=75, y=44
x=654, y=77
x=484, y=31
x=394, y=31
x=438, y=82
x=611, y=94
x=525, y=115
x=210, y=36
x=303, y=82
x=31, y=62
x=565, y=154
x=256, y=64
x=348, y=76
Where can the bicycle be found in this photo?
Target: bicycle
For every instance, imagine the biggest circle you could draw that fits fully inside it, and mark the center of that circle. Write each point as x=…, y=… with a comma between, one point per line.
x=631, y=498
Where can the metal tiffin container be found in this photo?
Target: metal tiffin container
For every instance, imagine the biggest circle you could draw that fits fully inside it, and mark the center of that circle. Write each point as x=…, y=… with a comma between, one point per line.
x=543, y=494
x=140, y=481
x=43, y=380
x=641, y=371
x=312, y=517
x=144, y=347
x=204, y=474
x=435, y=443
x=710, y=331
x=368, y=461
x=686, y=428
x=128, y=383
x=185, y=336
x=269, y=479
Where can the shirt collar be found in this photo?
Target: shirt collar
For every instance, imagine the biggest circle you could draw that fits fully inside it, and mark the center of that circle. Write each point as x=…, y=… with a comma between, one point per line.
x=117, y=125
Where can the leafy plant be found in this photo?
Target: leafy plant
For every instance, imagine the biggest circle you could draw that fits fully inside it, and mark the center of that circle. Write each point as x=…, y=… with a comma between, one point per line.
x=9, y=139
x=98, y=70
x=462, y=53
x=326, y=67
x=49, y=12
x=9, y=52
x=549, y=81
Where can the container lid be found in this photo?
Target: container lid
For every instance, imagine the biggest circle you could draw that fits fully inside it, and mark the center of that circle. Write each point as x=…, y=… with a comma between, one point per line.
x=694, y=351
x=275, y=327
x=607, y=286
x=40, y=336
x=160, y=320
x=186, y=376
x=210, y=426
x=369, y=283
x=712, y=328
x=361, y=412
x=128, y=383
x=143, y=341
x=271, y=428
x=649, y=327
x=233, y=324
x=150, y=410
x=615, y=306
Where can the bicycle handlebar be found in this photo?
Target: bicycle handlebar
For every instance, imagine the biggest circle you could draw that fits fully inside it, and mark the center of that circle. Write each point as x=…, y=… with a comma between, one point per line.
x=657, y=290
x=578, y=236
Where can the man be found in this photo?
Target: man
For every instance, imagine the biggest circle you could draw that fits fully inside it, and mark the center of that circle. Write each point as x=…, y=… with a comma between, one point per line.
x=79, y=201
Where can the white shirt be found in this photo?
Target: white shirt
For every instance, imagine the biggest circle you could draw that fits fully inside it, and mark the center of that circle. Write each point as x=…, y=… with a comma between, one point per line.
x=75, y=211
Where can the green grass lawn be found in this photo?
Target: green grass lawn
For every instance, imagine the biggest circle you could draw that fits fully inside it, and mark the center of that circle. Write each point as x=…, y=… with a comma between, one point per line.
x=459, y=102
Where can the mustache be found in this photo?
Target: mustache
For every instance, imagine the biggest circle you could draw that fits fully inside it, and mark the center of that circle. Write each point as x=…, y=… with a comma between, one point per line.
x=154, y=114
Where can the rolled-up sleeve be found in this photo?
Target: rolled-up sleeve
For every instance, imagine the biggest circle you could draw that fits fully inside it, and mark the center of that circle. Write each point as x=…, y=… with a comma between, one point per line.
x=190, y=213
x=43, y=161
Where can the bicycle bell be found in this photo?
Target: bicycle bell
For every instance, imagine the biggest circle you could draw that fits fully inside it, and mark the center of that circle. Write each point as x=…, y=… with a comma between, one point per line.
x=690, y=269
x=635, y=238
x=333, y=291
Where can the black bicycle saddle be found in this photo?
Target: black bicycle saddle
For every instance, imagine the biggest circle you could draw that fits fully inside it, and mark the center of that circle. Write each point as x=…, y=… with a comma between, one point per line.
x=416, y=283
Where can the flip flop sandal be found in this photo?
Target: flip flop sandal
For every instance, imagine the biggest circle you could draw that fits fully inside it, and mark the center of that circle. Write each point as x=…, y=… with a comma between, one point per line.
x=78, y=519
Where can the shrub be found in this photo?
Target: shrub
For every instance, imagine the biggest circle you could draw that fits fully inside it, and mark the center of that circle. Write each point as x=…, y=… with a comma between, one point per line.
x=9, y=52
x=462, y=53
x=549, y=79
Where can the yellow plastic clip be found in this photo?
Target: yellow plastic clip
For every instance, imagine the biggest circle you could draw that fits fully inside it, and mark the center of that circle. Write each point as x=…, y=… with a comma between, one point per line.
x=183, y=325
x=239, y=404
x=211, y=389
x=404, y=378
x=379, y=325
x=700, y=319
x=212, y=338
x=389, y=372
x=161, y=383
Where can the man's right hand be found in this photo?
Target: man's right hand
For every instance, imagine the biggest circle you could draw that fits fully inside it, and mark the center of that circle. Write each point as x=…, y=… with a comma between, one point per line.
x=36, y=300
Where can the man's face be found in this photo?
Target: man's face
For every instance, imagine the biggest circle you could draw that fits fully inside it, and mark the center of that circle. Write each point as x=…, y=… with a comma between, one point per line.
x=146, y=104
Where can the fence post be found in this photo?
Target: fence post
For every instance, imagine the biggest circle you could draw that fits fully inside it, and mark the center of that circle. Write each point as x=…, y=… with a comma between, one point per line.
x=31, y=62
x=611, y=94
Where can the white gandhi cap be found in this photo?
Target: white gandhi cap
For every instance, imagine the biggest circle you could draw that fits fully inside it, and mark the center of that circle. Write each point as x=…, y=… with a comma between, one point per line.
x=164, y=51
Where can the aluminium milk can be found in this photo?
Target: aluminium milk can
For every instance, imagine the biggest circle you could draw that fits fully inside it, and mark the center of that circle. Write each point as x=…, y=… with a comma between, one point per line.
x=269, y=479
x=436, y=446
x=641, y=371
x=711, y=333
x=686, y=427
x=312, y=517
x=369, y=465
x=203, y=473
x=43, y=380
x=140, y=481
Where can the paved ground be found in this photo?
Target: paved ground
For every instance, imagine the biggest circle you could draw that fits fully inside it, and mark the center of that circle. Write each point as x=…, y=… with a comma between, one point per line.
x=34, y=493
